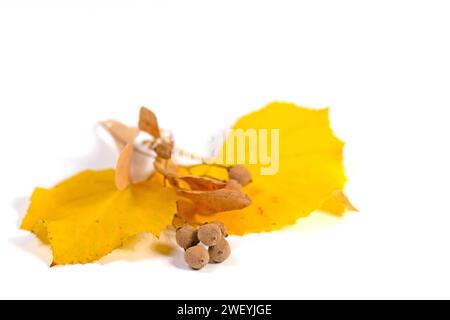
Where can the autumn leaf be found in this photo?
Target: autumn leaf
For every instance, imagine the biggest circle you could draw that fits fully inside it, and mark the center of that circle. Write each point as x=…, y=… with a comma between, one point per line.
x=310, y=173
x=299, y=170
x=85, y=217
x=121, y=133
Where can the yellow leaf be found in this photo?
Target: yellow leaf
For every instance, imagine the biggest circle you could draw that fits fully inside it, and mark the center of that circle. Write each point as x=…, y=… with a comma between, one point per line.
x=86, y=217
x=308, y=172
x=337, y=203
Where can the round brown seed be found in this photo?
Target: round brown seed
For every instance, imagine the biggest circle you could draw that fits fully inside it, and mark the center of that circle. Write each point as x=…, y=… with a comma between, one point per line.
x=196, y=257
x=220, y=252
x=186, y=236
x=222, y=227
x=209, y=234
x=240, y=174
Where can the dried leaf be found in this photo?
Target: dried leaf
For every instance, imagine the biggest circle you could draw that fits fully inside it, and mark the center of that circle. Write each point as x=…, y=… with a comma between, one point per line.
x=121, y=133
x=141, y=166
x=123, y=167
x=167, y=169
x=148, y=122
x=208, y=195
x=198, y=183
x=186, y=209
x=310, y=170
x=221, y=200
x=202, y=183
x=86, y=217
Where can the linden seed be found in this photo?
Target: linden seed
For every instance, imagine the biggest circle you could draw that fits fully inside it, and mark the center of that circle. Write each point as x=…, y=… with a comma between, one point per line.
x=186, y=236
x=220, y=252
x=209, y=234
x=196, y=257
x=223, y=228
x=240, y=174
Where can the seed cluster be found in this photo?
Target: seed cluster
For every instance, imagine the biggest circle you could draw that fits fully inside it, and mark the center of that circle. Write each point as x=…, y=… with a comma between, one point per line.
x=194, y=241
x=207, y=243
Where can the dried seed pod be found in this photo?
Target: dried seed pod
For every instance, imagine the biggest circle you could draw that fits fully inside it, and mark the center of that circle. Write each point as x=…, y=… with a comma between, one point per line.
x=148, y=122
x=164, y=150
x=223, y=228
x=186, y=236
x=220, y=252
x=196, y=257
x=209, y=234
x=240, y=174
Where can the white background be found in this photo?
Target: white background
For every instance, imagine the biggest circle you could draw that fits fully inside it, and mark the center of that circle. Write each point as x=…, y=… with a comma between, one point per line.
x=382, y=66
